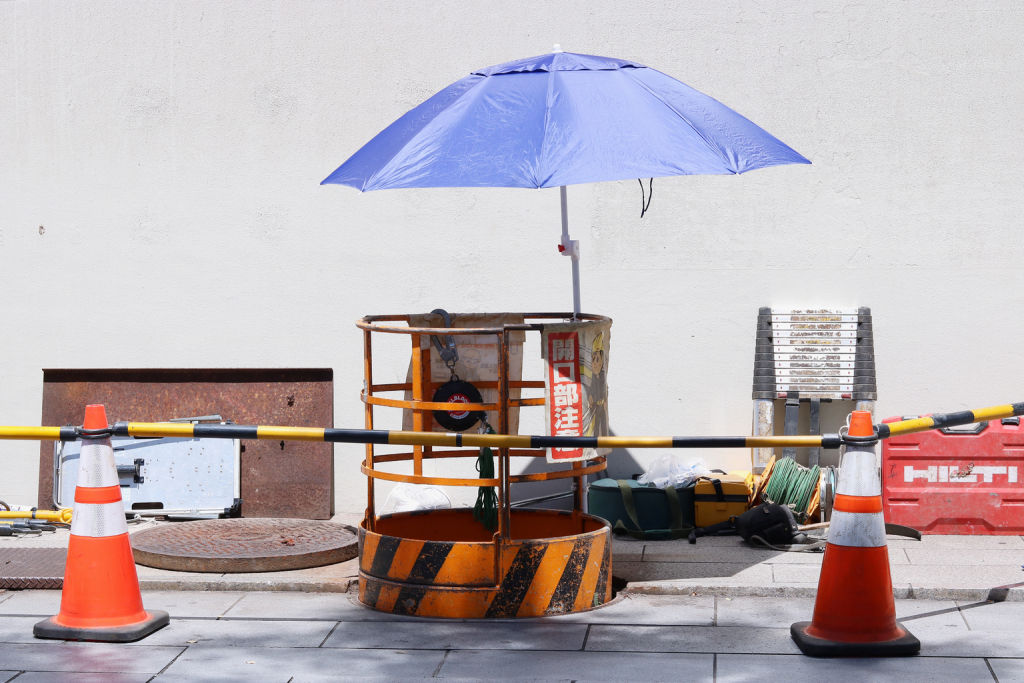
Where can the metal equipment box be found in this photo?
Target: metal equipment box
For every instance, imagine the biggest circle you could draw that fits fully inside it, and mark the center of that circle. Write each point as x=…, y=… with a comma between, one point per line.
x=964, y=480
x=189, y=477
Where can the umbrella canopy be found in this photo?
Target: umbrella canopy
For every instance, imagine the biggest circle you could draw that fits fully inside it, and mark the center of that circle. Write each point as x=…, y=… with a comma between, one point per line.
x=561, y=119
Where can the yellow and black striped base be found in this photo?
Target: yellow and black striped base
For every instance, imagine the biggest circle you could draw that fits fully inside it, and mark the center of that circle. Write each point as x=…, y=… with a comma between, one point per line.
x=478, y=579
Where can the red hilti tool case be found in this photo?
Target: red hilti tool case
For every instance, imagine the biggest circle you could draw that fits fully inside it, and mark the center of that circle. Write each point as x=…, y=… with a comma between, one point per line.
x=961, y=480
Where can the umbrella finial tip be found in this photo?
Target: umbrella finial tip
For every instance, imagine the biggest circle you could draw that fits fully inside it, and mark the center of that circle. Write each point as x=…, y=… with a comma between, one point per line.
x=557, y=48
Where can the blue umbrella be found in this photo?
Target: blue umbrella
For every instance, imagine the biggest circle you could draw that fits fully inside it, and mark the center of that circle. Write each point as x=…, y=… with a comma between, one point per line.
x=561, y=119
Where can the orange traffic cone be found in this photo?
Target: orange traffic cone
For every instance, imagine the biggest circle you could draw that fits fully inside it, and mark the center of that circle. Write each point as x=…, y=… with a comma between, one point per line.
x=101, y=598
x=854, y=613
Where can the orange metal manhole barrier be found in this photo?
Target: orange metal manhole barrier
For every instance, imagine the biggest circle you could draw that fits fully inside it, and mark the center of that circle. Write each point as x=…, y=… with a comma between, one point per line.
x=414, y=565
x=442, y=563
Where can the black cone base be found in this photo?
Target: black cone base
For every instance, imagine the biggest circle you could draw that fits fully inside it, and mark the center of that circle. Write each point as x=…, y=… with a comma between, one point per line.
x=817, y=647
x=114, y=634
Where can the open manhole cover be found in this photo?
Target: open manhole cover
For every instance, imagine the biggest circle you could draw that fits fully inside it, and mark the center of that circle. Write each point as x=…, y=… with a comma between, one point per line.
x=244, y=545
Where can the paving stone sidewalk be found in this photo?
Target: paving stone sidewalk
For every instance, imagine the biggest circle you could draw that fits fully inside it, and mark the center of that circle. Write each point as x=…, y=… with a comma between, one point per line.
x=296, y=637
x=934, y=568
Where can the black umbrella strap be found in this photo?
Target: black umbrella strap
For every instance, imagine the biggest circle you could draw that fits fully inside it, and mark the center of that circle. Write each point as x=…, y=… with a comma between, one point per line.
x=645, y=199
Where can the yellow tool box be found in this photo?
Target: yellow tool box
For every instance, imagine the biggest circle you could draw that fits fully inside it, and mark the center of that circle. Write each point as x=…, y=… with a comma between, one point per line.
x=720, y=497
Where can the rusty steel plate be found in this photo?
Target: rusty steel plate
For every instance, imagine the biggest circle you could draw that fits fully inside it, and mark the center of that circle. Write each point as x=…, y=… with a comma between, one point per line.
x=244, y=545
x=293, y=479
x=32, y=567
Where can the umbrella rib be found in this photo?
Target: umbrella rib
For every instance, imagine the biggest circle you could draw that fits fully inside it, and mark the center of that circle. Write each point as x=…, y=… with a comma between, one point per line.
x=544, y=134
x=713, y=147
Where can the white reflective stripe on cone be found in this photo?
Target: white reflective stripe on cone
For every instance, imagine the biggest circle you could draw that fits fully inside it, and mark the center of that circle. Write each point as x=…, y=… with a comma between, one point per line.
x=858, y=475
x=96, y=466
x=98, y=520
x=857, y=529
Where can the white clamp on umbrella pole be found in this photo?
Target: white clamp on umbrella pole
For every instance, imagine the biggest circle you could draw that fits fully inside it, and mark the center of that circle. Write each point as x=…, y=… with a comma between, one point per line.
x=571, y=248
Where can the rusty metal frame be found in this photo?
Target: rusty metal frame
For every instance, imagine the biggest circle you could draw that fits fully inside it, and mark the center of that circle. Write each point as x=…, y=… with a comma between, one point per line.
x=422, y=386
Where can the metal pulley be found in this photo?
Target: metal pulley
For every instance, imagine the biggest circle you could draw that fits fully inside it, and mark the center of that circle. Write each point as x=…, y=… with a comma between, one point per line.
x=455, y=390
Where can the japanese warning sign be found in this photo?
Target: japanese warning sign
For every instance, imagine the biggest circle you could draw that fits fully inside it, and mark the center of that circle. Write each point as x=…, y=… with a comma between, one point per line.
x=576, y=387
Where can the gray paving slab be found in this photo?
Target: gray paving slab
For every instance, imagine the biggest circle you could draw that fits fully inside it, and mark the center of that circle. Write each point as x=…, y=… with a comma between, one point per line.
x=775, y=613
x=210, y=632
x=676, y=551
x=627, y=549
x=963, y=576
x=350, y=679
x=989, y=556
x=218, y=663
x=796, y=573
x=960, y=643
x=191, y=604
x=292, y=605
x=251, y=678
x=87, y=657
x=579, y=666
x=796, y=558
x=7, y=675
x=41, y=603
x=19, y=630
x=909, y=608
x=1008, y=670
x=935, y=628
x=727, y=588
x=66, y=677
x=661, y=571
x=956, y=542
x=703, y=542
x=1000, y=616
x=763, y=612
x=800, y=669
x=926, y=616
x=447, y=635
x=694, y=639
x=681, y=610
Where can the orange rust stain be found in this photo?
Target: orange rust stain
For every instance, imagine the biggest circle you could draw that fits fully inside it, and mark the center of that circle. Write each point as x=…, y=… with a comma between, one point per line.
x=405, y=558
x=468, y=564
x=546, y=579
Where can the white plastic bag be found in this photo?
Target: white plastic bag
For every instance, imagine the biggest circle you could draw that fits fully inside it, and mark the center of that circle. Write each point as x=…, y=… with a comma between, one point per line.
x=409, y=497
x=669, y=469
x=659, y=472
x=684, y=475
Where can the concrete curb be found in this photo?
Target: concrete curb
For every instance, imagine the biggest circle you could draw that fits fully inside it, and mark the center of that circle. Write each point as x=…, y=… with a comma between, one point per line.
x=997, y=594
x=169, y=584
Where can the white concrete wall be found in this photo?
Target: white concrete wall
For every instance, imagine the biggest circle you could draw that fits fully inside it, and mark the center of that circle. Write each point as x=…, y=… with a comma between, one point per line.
x=172, y=152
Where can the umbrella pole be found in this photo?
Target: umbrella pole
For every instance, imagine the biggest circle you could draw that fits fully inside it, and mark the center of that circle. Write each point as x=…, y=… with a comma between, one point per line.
x=571, y=248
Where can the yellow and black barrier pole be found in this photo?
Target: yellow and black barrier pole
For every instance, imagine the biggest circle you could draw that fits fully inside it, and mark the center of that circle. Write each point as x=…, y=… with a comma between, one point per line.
x=965, y=417
x=470, y=440
x=400, y=438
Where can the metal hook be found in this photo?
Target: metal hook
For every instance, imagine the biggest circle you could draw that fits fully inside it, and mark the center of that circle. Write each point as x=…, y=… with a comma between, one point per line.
x=448, y=351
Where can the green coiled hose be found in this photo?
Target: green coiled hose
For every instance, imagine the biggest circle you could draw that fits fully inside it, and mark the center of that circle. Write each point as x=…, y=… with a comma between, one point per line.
x=792, y=484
